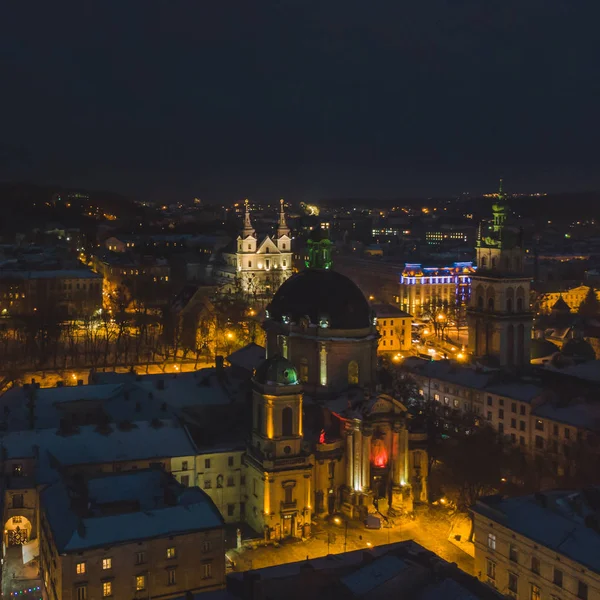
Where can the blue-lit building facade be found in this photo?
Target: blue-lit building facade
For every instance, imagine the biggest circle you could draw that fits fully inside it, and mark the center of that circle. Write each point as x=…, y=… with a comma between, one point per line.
x=425, y=289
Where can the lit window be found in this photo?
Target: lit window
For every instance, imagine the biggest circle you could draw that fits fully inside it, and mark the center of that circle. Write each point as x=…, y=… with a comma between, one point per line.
x=106, y=563
x=206, y=571
x=171, y=552
x=106, y=589
x=491, y=541
x=80, y=568
x=140, y=582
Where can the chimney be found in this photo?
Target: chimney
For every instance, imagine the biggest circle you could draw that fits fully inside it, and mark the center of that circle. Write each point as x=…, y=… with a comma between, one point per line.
x=219, y=361
x=80, y=382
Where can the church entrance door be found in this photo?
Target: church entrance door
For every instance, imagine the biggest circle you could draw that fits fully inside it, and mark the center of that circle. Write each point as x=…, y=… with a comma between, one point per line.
x=287, y=526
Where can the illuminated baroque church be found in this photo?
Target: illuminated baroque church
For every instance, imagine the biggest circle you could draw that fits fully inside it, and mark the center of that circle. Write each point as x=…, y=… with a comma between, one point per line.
x=323, y=439
x=262, y=266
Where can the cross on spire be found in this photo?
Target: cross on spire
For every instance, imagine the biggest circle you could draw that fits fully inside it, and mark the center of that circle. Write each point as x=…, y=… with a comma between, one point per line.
x=282, y=228
x=248, y=229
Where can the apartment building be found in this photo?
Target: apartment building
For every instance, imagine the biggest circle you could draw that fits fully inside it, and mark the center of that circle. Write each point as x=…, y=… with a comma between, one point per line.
x=394, y=327
x=543, y=546
x=129, y=535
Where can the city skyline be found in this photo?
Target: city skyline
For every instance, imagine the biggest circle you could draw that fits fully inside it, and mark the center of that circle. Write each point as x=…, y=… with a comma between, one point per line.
x=347, y=101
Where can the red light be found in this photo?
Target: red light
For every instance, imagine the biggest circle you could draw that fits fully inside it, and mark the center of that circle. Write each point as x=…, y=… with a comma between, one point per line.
x=379, y=454
x=322, y=437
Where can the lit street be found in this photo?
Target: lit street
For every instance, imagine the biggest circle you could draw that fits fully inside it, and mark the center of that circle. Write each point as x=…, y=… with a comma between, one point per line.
x=430, y=529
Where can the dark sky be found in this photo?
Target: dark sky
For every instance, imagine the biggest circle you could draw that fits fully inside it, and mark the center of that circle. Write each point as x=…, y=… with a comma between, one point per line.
x=224, y=99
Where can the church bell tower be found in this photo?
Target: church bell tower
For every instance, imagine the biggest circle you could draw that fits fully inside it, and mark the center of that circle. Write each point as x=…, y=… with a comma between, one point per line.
x=279, y=468
x=499, y=316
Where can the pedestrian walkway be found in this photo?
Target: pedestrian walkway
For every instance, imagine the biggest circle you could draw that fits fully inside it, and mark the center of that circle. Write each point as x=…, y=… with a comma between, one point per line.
x=430, y=529
x=18, y=579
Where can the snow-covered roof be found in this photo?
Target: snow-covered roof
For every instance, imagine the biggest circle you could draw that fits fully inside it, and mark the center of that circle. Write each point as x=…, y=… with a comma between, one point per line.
x=583, y=415
x=248, y=357
x=448, y=371
x=94, y=526
x=144, y=441
x=375, y=574
x=525, y=392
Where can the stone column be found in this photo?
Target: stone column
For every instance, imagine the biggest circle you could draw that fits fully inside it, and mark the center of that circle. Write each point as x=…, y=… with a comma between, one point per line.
x=398, y=459
x=357, y=475
x=349, y=457
x=323, y=364
x=366, y=456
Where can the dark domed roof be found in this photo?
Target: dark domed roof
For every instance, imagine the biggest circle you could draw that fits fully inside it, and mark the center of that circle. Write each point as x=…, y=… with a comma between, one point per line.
x=321, y=294
x=579, y=348
x=276, y=370
x=541, y=348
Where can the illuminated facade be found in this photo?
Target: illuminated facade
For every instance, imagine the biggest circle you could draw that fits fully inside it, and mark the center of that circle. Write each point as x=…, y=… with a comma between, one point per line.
x=279, y=468
x=321, y=324
x=262, y=267
x=423, y=289
x=572, y=296
x=499, y=316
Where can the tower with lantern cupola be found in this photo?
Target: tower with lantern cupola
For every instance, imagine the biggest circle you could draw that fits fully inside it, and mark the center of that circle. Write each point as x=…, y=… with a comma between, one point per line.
x=499, y=316
x=279, y=469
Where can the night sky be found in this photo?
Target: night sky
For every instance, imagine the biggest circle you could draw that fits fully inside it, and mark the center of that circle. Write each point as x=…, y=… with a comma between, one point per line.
x=223, y=99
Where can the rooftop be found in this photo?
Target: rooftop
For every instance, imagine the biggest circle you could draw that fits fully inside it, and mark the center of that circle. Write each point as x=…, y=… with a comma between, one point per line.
x=122, y=508
x=556, y=520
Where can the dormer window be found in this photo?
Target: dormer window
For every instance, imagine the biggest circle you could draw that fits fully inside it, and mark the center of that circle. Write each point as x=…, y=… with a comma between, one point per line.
x=285, y=319
x=324, y=323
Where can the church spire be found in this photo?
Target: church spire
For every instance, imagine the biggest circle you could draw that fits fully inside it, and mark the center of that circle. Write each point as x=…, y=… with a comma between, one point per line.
x=282, y=228
x=248, y=229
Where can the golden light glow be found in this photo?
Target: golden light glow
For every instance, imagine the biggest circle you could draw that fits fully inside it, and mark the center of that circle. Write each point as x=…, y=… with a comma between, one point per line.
x=267, y=495
x=337, y=521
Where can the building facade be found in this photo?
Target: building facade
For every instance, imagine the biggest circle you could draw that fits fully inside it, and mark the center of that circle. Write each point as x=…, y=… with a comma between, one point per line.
x=66, y=293
x=129, y=535
x=425, y=289
x=262, y=266
x=541, y=546
x=394, y=327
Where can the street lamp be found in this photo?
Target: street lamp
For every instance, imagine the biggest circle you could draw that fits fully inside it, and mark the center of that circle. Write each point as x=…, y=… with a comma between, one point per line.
x=338, y=521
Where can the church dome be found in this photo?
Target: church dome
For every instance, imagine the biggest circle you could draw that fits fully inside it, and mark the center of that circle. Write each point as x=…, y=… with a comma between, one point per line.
x=321, y=294
x=276, y=370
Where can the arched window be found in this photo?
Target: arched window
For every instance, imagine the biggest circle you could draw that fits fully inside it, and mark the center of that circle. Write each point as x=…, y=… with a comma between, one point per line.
x=219, y=481
x=520, y=299
x=493, y=263
x=353, y=372
x=303, y=370
x=491, y=304
x=483, y=262
x=510, y=297
x=287, y=422
x=480, y=302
